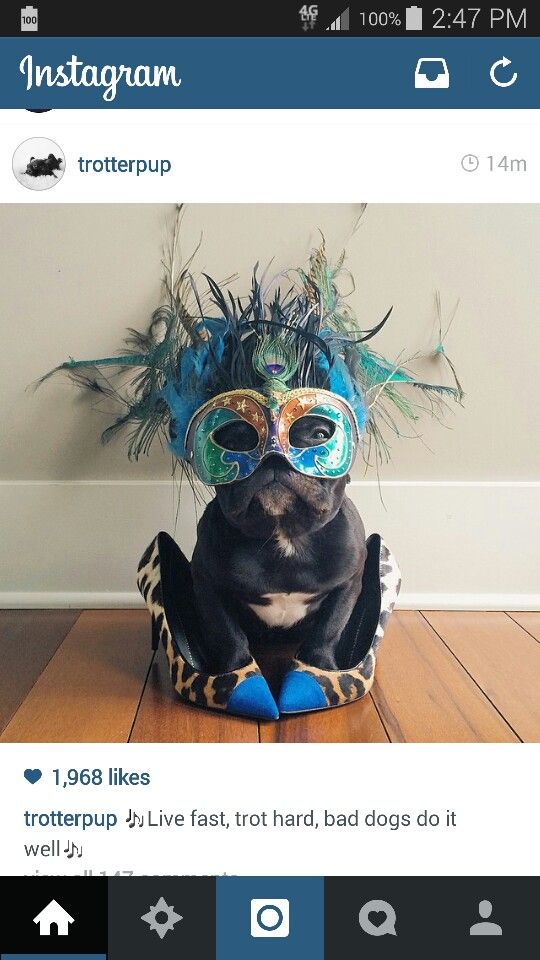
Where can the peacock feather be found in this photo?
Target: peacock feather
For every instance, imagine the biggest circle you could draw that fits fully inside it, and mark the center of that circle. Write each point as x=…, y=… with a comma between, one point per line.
x=275, y=361
x=383, y=384
x=199, y=345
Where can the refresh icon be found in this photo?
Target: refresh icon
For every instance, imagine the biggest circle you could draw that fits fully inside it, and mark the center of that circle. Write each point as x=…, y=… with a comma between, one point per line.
x=503, y=63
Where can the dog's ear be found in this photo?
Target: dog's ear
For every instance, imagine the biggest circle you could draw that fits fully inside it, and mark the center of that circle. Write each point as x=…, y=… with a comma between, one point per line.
x=347, y=478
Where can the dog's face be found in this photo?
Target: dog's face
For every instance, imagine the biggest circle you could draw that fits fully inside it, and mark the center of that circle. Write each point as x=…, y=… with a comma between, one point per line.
x=277, y=500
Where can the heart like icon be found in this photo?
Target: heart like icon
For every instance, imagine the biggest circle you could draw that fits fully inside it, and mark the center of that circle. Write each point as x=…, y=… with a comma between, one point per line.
x=33, y=775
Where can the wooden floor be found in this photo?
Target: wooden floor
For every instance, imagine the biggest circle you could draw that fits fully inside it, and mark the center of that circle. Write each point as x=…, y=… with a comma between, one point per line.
x=85, y=676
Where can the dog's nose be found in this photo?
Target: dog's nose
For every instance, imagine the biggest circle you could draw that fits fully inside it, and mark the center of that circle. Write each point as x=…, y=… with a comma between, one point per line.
x=277, y=463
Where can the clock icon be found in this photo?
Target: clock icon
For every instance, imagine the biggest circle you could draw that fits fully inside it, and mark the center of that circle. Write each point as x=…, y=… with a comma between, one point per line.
x=470, y=162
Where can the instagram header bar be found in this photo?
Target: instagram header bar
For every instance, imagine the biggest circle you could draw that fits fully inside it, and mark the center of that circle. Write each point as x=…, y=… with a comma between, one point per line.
x=269, y=73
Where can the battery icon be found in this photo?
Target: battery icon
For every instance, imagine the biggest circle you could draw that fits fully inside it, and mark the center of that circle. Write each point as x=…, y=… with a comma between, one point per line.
x=413, y=18
x=29, y=18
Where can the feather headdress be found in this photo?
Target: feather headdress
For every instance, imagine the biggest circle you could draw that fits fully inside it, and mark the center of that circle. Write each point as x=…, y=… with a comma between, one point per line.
x=197, y=347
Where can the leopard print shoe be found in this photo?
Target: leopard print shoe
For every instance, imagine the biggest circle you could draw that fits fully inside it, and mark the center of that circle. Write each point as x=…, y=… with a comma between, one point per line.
x=308, y=688
x=164, y=580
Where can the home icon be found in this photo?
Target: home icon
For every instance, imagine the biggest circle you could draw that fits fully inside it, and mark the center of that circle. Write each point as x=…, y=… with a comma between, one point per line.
x=53, y=913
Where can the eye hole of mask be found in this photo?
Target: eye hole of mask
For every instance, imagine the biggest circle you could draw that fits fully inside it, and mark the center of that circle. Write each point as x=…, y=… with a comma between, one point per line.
x=237, y=436
x=311, y=431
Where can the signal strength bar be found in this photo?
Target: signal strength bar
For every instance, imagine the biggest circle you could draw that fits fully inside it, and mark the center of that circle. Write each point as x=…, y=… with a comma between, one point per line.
x=341, y=23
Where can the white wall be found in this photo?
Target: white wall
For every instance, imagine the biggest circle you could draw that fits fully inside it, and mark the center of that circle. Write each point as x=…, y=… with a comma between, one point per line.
x=461, y=504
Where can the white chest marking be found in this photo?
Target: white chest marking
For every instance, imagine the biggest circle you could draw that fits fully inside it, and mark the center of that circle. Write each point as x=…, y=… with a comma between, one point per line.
x=283, y=609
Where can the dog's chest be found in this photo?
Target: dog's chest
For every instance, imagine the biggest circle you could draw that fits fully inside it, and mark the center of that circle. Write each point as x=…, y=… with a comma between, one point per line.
x=282, y=609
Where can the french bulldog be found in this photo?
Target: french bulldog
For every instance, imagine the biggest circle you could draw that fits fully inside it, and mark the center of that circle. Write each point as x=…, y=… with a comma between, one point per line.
x=44, y=168
x=279, y=554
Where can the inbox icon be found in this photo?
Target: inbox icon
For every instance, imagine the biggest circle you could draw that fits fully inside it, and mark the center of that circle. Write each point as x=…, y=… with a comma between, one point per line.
x=269, y=918
x=432, y=73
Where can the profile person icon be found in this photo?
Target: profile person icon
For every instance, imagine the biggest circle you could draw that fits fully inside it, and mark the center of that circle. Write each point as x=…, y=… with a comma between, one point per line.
x=485, y=927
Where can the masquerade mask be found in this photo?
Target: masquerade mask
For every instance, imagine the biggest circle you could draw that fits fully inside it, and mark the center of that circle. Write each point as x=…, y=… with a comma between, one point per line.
x=315, y=430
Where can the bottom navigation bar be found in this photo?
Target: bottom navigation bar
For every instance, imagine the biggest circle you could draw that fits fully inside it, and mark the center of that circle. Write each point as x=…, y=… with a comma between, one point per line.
x=218, y=918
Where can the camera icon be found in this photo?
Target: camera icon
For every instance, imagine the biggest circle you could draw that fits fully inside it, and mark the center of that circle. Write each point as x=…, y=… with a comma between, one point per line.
x=269, y=918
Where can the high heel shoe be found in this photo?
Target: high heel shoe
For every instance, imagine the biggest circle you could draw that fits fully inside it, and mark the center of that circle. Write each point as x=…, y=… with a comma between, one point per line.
x=309, y=688
x=164, y=580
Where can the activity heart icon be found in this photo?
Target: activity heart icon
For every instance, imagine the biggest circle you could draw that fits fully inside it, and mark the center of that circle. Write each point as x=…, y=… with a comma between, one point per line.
x=33, y=775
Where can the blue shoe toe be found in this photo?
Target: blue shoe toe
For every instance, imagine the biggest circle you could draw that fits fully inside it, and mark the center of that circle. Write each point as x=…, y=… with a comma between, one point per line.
x=252, y=698
x=300, y=691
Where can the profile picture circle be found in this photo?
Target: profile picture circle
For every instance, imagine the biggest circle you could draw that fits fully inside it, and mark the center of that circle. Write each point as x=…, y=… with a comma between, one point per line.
x=39, y=163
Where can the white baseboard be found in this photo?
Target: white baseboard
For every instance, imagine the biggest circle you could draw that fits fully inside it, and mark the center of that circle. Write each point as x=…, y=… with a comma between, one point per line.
x=406, y=601
x=468, y=601
x=461, y=545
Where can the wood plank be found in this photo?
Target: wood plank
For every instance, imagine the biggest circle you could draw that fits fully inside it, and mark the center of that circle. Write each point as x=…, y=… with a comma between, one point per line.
x=424, y=695
x=529, y=620
x=163, y=718
x=354, y=723
x=28, y=640
x=503, y=659
x=90, y=689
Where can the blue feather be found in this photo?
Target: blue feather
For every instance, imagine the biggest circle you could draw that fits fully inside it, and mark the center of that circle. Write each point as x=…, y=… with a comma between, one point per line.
x=322, y=364
x=181, y=410
x=341, y=383
x=194, y=384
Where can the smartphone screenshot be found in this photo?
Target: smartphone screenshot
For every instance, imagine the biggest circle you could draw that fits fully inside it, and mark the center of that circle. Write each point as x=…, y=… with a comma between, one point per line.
x=269, y=481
